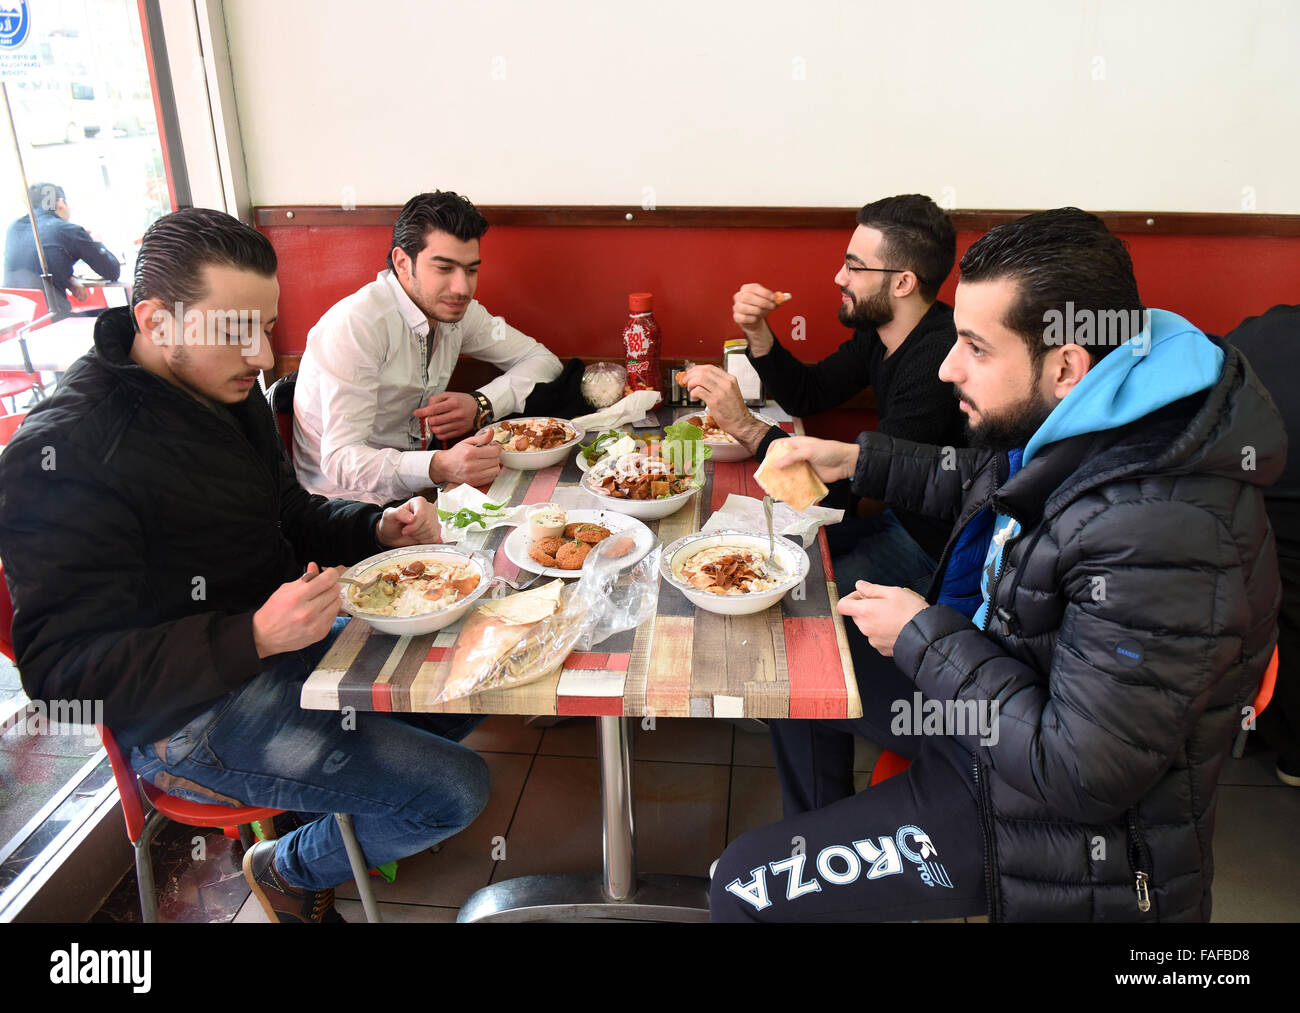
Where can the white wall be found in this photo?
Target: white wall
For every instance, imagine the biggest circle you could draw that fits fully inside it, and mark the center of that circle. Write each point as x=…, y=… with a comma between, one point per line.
x=1167, y=105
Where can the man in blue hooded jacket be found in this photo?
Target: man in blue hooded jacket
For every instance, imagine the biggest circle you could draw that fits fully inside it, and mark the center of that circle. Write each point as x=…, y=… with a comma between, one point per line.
x=1070, y=686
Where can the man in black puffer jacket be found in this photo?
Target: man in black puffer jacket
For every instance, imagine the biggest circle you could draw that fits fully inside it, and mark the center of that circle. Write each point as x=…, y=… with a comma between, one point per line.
x=1070, y=686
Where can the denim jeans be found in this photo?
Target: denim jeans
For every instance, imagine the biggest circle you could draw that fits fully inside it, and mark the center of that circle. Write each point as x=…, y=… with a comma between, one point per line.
x=403, y=777
x=877, y=549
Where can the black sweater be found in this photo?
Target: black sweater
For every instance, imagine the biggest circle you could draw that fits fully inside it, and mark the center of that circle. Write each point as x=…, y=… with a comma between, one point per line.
x=140, y=530
x=911, y=401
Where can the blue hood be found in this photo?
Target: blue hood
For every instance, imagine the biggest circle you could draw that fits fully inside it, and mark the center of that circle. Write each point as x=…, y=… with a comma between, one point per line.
x=1127, y=384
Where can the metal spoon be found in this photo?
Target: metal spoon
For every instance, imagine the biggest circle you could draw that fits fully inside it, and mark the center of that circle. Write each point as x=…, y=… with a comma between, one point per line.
x=773, y=567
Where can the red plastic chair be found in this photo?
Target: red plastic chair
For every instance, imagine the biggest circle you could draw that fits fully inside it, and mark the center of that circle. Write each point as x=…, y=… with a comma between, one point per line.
x=887, y=766
x=18, y=309
x=141, y=829
x=1262, y=699
x=9, y=425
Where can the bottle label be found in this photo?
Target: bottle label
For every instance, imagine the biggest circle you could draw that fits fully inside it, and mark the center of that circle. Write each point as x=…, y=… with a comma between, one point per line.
x=638, y=345
x=639, y=370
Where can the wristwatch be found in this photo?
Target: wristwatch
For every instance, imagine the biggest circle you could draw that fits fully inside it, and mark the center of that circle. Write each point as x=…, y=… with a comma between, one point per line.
x=484, y=414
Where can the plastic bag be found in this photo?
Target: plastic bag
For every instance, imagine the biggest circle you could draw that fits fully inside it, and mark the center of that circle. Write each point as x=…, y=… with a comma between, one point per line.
x=501, y=647
x=603, y=384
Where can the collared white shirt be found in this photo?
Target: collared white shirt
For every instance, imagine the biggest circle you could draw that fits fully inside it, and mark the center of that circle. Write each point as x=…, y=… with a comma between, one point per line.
x=367, y=366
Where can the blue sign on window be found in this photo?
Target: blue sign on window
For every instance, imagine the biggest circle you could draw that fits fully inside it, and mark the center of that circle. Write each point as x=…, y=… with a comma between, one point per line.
x=15, y=23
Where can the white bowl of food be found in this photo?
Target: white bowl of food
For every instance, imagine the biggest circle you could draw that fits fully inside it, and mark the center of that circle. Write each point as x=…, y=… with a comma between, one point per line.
x=533, y=443
x=613, y=444
x=703, y=567
x=422, y=587
x=639, y=485
x=726, y=448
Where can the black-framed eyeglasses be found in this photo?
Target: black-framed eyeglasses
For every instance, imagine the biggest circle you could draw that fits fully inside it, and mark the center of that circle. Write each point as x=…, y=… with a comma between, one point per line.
x=854, y=269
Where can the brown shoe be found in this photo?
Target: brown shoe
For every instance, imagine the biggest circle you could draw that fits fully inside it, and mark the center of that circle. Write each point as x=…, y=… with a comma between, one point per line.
x=280, y=901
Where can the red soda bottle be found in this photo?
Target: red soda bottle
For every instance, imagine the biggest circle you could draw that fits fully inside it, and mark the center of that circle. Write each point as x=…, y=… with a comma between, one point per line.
x=641, y=341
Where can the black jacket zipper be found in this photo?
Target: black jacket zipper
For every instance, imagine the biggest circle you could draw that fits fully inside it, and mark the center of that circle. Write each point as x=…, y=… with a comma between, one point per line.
x=985, y=811
x=1140, y=859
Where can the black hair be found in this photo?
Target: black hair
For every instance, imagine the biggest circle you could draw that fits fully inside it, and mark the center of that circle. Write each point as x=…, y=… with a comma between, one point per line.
x=918, y=236
x=178, y=245
x=1056, y=257
x=45, y=196
x=440, y=210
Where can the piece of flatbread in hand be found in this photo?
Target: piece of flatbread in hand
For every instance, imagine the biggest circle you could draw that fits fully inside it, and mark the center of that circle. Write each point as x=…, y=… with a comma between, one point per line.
x=780, y=297
x=797, y=485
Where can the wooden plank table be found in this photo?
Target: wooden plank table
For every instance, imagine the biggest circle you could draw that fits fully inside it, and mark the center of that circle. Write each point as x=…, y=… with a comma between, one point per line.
x=790, y=661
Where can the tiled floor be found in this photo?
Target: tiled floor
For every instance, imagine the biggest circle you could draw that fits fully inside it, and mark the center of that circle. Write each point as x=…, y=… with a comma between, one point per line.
x=699, y=784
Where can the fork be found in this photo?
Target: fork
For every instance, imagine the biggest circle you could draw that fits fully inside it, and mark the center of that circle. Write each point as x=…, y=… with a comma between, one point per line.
x=502, y=582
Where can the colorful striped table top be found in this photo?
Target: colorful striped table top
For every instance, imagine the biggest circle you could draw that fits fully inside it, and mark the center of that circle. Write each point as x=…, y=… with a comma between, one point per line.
x=790, y=661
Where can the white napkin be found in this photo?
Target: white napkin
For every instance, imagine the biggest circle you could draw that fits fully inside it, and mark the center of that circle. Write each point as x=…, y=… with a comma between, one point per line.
x=631, y=409
x=467, y=497
x=746, y=514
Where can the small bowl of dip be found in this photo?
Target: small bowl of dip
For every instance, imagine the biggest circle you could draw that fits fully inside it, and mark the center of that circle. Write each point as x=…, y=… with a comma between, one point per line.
x=546, y=521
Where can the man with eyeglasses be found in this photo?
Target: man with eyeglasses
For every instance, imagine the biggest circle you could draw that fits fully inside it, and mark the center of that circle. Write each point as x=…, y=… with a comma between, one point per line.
x=898, y=257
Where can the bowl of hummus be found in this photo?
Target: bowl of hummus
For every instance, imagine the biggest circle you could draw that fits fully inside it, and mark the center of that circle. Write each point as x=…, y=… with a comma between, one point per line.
x=421, y=589
x=728, y=572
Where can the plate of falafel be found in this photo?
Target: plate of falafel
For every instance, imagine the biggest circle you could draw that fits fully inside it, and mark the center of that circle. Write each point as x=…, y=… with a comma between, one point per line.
x=563, y=555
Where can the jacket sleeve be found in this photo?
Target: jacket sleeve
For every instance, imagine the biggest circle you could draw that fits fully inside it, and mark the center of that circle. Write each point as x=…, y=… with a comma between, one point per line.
x=1091, y=736
x=328, y=532
x=82, y=247
x=803, y=389
x=918, y=477
x=74, y=550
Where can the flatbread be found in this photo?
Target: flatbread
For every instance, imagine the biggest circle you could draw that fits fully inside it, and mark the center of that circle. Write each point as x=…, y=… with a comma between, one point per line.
x=492, y=631
x=797, y=485
x=526, y=606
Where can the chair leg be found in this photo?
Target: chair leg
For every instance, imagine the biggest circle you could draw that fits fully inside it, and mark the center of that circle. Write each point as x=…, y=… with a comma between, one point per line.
x=1239, y=745
x=144, y=868
x=360, y=869
x=246, y=837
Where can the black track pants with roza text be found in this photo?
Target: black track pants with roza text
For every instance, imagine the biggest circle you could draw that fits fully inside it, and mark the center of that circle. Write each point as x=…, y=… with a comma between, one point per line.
x=907, y=849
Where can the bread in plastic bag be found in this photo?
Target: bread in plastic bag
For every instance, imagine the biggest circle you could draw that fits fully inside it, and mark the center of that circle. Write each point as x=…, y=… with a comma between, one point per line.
x=519, y=639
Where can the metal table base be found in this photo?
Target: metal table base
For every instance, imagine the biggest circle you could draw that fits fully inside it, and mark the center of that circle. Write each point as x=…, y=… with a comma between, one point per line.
x=615, y=894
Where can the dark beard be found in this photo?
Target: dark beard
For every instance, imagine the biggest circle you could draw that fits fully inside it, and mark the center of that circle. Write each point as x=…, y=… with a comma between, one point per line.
x=1013, y=428
x=875, y=311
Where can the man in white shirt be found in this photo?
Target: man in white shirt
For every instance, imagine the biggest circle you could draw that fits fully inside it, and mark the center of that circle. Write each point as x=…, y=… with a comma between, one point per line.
x=375, y=370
